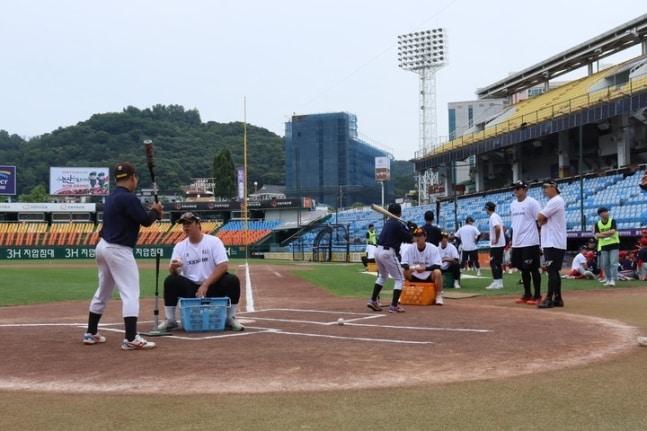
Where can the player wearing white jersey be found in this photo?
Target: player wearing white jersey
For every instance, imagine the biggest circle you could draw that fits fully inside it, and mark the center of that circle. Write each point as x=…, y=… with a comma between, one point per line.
x=552, y=219
x=525, y=255
x=421, y=262
x=497, y=244
x=449, y=257
x=468, y=234
x=198, y=269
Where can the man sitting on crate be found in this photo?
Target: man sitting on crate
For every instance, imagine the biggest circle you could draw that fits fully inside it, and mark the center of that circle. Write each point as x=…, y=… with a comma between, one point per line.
x=421, y=262
x=198, y=269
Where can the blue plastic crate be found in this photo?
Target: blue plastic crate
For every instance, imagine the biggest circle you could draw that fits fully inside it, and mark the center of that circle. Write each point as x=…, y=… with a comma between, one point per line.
x=204, y=314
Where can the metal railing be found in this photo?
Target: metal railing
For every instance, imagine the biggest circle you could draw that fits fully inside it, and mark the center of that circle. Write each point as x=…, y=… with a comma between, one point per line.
x=545, y=113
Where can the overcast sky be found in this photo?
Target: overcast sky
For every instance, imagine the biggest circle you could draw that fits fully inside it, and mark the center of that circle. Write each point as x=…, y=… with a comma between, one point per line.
x=63, y=60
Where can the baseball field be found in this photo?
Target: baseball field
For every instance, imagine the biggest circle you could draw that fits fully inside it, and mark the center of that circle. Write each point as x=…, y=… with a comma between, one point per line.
x=480, y=362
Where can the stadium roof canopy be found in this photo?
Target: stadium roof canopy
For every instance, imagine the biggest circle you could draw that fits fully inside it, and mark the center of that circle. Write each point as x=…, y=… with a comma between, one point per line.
x=617, y=39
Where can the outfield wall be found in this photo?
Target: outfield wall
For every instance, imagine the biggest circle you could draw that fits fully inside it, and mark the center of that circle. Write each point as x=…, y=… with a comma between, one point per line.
x=87, y=252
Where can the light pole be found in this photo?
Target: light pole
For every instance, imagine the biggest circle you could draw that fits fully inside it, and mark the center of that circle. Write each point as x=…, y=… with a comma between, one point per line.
x=255, y=187
x=424, y=52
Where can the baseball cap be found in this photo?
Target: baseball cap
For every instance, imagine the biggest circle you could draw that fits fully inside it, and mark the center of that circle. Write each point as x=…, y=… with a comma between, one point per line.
x=490, y=206
x=602, y=210
x=519, y=185
x=469, y=219
x=124, y=170
x=188, y=217
x=429, y=216
x=419, y=232
x=551, y=183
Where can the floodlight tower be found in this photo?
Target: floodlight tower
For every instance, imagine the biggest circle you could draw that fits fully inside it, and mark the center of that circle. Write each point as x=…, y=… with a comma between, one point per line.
x=424, y=52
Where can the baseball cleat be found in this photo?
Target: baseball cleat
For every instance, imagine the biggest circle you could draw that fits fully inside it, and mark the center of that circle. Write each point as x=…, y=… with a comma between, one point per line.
x=457, y=285
x=234, y=325
x=548, y=303
x=168, y=325
x=90, y=339
x=439, y=300
x=138, y=343
x=558, y=302
x=523, y=300
x=534, y=301
x=642, y=341
x=374, y=305
x=395, y=309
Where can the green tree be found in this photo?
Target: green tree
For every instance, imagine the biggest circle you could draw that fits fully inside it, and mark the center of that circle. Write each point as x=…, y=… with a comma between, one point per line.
x=37, y=194
x=224, y=174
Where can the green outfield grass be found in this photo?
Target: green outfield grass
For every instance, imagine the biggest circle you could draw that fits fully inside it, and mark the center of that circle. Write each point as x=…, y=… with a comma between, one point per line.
x=348, y=280
x=36, y=282
x=47, y=281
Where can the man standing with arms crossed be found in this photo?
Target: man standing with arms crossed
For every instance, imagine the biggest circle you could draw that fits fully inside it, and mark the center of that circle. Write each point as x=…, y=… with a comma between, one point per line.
x=552, y=220
x=123, y=214
x=468, y=234
x=497, y=244
x=525, y=242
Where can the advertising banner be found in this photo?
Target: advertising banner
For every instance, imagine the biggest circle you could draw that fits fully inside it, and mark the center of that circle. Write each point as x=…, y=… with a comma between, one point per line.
x=64, y=181
x=382, y=169
x=7, y=180
x=241, y=183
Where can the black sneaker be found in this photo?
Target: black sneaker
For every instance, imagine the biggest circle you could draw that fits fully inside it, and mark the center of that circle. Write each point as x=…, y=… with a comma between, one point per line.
x=558, y=302
x=547, y=303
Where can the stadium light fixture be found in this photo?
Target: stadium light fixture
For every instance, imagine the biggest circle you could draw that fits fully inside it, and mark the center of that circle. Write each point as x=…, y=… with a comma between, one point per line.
x=424, y=52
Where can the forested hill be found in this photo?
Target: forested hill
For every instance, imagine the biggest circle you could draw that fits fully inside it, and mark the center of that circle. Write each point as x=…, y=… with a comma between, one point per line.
x=184, y=147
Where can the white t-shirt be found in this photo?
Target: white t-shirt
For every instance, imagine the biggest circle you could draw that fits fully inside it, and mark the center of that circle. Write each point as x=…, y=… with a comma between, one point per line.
x=448, y=252
x=495, y=220
x=429, y=256
x=578, y=263
x=553, y=233
x=199, y=260
x=468, y=235
x=524, y=222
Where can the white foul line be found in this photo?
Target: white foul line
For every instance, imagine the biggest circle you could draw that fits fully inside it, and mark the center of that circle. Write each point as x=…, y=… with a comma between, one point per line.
x=249, y=296
x=419, y=328
x=340, y=337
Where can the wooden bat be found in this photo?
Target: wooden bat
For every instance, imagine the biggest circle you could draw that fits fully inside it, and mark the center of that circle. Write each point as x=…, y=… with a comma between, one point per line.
x=150, y=162
x=382, y=211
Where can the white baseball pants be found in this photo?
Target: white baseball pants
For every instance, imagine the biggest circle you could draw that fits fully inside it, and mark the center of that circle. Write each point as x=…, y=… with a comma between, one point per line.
x=388, y=264
x=117, y=269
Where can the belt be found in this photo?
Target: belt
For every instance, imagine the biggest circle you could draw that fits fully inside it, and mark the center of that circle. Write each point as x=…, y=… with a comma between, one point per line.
x=384, y=247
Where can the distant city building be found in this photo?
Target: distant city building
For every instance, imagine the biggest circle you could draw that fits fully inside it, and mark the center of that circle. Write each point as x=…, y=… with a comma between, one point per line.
x=464, y=116
x=326, y=160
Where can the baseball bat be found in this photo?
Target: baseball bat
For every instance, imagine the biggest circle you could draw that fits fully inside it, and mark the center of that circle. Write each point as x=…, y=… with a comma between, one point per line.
x=150, y=162
x=382, y=211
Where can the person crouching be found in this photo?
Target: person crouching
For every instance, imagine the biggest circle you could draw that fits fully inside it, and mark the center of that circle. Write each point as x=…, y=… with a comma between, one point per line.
x=421, y=263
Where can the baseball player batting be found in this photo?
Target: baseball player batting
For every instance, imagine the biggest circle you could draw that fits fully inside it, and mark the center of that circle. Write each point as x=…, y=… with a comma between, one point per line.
x=394, y=233
x=123, y=214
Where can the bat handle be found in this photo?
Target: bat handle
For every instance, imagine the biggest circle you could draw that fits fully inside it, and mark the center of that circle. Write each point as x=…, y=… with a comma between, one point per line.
x=155, y=192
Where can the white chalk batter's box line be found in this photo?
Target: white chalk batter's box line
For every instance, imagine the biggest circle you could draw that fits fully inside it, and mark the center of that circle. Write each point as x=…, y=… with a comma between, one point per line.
x=105, y=327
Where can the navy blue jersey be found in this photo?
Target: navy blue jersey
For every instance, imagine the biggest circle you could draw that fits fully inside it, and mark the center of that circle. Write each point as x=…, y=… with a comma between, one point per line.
x=393, y=234
x=434, y=234
x=123, y=213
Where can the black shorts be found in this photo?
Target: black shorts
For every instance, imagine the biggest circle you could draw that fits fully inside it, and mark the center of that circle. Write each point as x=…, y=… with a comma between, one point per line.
x=525, y=257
